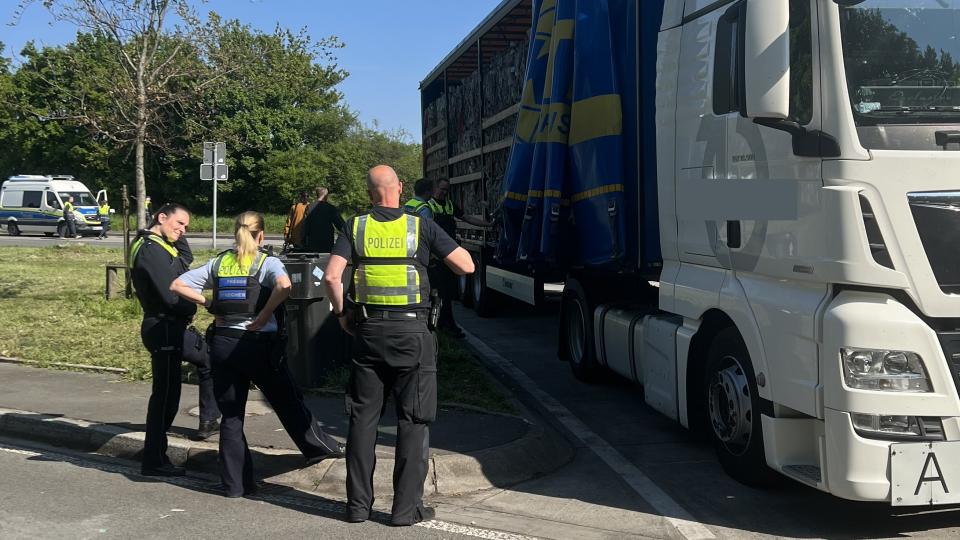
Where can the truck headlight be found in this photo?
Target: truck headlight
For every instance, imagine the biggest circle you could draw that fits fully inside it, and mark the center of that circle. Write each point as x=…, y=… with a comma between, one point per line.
x=886, y=370
x=890, y=427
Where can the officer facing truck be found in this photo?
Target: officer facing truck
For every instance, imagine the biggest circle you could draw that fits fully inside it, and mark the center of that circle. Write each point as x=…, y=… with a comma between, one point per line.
x=393, y=349
x=446, y=213
x=419, y=205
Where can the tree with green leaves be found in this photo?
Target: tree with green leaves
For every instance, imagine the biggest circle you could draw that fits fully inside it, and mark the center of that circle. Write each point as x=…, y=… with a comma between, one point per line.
x=136, y=75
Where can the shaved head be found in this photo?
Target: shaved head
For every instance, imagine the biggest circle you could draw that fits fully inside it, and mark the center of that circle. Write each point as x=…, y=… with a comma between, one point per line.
x=384, y=187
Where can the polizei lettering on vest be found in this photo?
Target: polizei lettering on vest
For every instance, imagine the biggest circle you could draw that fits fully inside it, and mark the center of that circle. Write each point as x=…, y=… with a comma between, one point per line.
x=385, y=243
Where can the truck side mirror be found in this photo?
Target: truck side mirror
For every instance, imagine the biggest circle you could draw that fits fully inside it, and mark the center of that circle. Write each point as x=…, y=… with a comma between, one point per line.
x=767, y=59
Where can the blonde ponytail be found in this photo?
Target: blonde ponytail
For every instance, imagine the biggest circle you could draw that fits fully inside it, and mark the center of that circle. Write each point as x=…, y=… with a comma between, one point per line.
x=245, y=229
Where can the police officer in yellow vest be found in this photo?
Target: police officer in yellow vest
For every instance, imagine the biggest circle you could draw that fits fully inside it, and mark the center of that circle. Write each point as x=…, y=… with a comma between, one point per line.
x=446, y=214
x=103, y=212
x=70, y=219
x=249, y=288
x=157, y=256
x=393, y=349
x=419, y=205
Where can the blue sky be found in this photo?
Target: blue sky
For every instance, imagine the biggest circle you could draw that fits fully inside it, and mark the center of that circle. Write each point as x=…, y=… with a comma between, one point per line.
x=390, y=44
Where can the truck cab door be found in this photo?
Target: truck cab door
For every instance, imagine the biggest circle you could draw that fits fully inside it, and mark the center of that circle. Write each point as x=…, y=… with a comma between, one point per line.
x=101, y=196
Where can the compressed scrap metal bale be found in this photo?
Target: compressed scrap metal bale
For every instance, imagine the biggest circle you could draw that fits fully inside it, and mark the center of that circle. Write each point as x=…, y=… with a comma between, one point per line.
x=494, y=167
x=503, y=78
x=434, y=113
x=465, y=114
x=501, y=130
x=466, y=166
x=469, y=196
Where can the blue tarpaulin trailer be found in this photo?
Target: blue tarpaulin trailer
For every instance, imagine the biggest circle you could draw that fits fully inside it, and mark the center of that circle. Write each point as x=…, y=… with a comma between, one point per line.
x=556, y=147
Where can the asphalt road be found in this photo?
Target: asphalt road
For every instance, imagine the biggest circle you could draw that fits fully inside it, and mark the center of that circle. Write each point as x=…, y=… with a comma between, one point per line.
x=52, y=494
x=685, y=469
x=197, y=240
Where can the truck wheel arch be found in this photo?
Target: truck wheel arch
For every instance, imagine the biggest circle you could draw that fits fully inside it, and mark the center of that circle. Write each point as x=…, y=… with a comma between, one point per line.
x=711, y=323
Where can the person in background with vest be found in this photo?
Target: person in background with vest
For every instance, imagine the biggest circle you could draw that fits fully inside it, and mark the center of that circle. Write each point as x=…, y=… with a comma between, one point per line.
x=322, y=221
x=147, y=211
x=103, y=212
x=249, y=288
x=293, y=228
x=70, y=219
x=394, y=351
x=419, y=205
x=157, y=256
x=446, y=213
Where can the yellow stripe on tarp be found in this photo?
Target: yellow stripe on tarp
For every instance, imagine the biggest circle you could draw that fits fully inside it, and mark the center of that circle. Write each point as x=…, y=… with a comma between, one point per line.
x=602, y=190
x=577, y=197
x=594, y=117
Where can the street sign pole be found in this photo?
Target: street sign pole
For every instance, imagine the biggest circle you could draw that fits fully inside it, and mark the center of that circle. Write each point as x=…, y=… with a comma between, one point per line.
x=215, y=156
x=214, y=167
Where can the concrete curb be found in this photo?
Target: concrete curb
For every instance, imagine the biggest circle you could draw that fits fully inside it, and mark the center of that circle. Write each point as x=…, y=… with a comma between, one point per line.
x=538, y=452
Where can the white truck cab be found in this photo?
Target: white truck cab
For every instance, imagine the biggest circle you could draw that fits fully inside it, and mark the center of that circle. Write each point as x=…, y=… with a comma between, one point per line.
x=32, y=203
x=810, y=231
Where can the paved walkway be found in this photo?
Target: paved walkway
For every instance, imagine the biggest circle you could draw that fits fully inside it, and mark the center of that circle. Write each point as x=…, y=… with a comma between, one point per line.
x=469, y=448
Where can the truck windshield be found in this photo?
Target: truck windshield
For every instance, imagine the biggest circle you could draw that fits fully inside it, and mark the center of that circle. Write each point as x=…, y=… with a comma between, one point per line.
x=902, y=60
x=80, y=198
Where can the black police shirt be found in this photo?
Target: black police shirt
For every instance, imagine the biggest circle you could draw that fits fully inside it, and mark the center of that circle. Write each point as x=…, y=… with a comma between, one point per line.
x=432, y=240
x=447, y=222
x=153, y=272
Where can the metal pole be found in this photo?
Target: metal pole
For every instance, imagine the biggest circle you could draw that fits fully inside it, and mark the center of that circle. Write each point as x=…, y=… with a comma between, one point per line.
x=128, y=289
x=215, y=161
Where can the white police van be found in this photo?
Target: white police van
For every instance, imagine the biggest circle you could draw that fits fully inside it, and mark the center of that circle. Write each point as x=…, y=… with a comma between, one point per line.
x=34, y=203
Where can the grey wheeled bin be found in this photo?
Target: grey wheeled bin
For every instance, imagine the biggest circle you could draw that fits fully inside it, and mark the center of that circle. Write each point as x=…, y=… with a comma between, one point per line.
x=316, y=345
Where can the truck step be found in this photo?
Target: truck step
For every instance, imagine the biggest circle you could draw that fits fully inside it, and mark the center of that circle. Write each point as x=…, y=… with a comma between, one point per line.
x=808, y=474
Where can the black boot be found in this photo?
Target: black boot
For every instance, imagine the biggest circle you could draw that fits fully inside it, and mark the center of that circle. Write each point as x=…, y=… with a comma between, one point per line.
x=208, y=429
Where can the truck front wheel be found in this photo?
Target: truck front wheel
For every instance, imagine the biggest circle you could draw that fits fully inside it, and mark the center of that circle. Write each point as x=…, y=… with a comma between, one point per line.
x=13, y=229
x=576, y=334
x=733, y=410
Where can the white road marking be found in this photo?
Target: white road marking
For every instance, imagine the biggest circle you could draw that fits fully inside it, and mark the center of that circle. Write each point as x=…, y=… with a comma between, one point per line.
x=206, y=484
x=670, y=509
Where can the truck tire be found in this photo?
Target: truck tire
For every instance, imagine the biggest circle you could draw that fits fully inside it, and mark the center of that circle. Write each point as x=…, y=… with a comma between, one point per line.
x=733, y=411
x=576, y=332
x=465, y=290
x=13, y=229
x=485, y=299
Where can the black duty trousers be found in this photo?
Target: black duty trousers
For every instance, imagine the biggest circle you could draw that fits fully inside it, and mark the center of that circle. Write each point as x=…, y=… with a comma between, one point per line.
x=444, y=280
x=164, y=339
x=236, y=362
x=70, y=226
x=399, y=357
x=104, y=226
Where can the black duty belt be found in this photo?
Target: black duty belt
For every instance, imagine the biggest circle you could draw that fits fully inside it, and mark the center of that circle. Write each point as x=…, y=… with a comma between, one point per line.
x=243, y=334
x=388, y=315
x=168, y=317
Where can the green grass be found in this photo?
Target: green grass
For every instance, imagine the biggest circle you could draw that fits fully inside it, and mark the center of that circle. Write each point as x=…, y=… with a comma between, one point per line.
x=200, y=224
x=460, y=379
x=54, y=310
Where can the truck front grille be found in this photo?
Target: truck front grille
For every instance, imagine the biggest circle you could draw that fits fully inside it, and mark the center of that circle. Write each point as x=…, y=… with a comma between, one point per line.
x=937, y=216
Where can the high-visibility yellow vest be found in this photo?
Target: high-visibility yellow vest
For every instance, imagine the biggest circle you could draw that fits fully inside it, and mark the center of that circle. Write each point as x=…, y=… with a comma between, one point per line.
x=414, y=205
x=387, y=272
x=103, y=210
x=138, y=243
x=236, y=289
x=68, y=208
x=440, y=209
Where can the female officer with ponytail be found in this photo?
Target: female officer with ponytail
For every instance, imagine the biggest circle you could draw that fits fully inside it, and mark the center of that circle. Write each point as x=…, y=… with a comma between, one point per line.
x=248, y=288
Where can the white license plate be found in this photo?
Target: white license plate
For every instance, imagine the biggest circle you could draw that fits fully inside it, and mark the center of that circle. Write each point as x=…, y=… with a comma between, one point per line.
x=925, y=473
